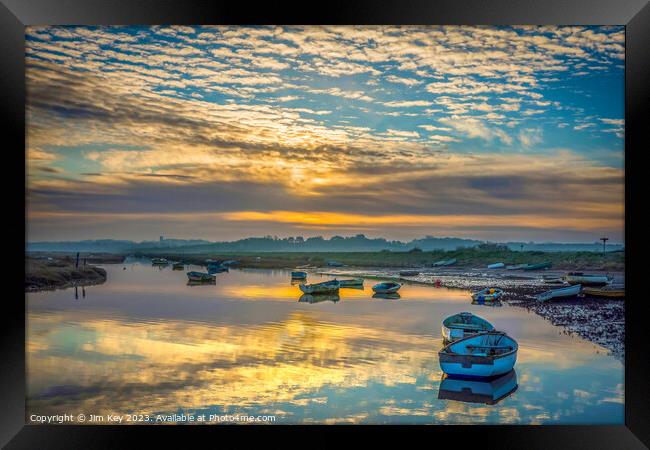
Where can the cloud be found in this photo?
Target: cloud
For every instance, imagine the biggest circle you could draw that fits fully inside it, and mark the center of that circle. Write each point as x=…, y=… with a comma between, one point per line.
x=530, y=137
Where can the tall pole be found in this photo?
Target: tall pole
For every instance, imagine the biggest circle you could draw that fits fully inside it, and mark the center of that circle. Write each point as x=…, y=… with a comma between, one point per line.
x=604, y=239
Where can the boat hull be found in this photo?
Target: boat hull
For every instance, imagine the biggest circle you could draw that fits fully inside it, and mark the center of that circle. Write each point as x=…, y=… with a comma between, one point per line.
x=299, y=275
x=386, y=289
x=570, y=291
x=604, y=293
x=460, y=358
x=351, y=283
x=454, y=329
x=587, y=280
x=485, y=296
x=320, y=288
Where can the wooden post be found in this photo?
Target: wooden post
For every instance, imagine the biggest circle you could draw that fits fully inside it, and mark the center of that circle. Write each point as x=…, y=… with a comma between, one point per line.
x=77, y=263
x=604, y=239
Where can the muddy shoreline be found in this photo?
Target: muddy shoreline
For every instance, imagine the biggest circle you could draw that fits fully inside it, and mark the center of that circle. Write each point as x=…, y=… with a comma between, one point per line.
x=600, y=321
x=59, y=273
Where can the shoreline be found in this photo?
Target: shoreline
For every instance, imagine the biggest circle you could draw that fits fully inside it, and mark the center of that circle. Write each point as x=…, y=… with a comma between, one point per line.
x=49, y=274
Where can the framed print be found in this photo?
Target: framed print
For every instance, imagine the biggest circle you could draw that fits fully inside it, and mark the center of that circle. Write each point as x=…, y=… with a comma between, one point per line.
x=385, y=214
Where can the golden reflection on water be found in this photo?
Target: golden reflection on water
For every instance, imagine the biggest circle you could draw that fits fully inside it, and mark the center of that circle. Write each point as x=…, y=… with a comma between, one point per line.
x=359, y=360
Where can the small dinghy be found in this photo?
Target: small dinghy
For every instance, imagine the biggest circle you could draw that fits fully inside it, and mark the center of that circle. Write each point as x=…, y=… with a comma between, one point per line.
x=569, y=291
x=393, y=296
x=159, y=261
x=351, y=283
x=604, y=292
x=463, y=325
x=552, y=279
x=586, y=280
x=318, y=298
x=496, y=266
x=445, y=262
x=488, y=392
x=327, y=287
x=200, y=276
x=516, y=267
x=487, y=295
x=178, y=266
x=299, y=275
x=216, y=268
x=409, y=273
x=540, y=266
x=483, y=355
x=388, y=287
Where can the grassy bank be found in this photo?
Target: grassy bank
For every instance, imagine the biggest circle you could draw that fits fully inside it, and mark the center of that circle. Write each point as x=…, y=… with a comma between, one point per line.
x=60, y=272
x=469, y=257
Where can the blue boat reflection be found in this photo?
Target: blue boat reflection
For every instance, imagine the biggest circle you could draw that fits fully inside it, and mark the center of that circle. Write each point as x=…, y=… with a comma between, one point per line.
x=317, y=298
x=393, y=296
x=489, y=392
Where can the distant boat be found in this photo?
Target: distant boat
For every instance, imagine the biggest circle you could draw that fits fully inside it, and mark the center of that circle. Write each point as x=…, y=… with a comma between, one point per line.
x=310, y=298
x=178, y=266
x=606, y=292
x=488, y=392
x=230, y=262
x=587, y=280
x=569, y=291
x=200, y=276
x=352, y=282
x=216, y=268
x=409, y=273
x=445, y=262
x=482, y=355
x=393, y=296
x=159, y=261
x=388, y=287
x=327, y=287
x=462, y=325
x=298, y=275
x=335, y=264
x=496, y=266
x=487, y=295
x=539, y=266
x=553, y=279
x=516, y=267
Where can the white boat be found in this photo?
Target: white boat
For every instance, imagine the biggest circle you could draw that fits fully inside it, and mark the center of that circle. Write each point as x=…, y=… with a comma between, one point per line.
x=496, y=266
x=587, y=280
x=328, y=287
x=569, y=291
x=388, y=287
x=488, y=392
x=487, y=295
x=483, y=355
x=459, y=326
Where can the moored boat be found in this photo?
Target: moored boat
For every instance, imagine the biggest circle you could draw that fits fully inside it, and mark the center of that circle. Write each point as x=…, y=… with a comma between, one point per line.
x=216, y=268
x=553, y=279
x=569, y=291
x=200, y=276
x=539, y=266
x=445, y=262
x=298, y=275
x=159, y=261
x=605, y=292
x=487, y=295
x=327, y=287
x=388, y=287
x=409, y=273
x=586, y=279
x=482, y=355
x=352, y=282
x=489, y=392
x=178, y=266
x=462, y=325
x=516, y=267
x=496, y=266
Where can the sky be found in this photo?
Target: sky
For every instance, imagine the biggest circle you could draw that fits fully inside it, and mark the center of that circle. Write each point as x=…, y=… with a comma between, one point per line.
x=220, y=133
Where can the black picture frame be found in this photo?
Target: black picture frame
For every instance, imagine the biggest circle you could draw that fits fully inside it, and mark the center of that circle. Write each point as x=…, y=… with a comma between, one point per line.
x=634, y=14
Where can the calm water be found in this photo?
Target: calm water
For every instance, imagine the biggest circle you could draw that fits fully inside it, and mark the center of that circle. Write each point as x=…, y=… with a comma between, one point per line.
x=146, y=343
